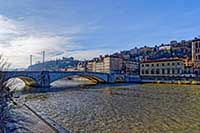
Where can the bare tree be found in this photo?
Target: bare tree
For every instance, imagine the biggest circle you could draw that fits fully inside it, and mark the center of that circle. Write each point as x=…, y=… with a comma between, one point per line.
x=5, y=96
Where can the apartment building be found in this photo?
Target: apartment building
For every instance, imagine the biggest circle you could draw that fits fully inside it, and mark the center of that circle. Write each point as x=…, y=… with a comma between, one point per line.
x=163, y=67
x=112, y=64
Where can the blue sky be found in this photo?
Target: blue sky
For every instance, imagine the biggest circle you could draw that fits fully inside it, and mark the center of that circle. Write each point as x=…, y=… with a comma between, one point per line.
x=88, y=28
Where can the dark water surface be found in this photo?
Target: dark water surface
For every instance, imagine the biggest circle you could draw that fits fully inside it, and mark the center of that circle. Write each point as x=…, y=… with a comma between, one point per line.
x=124, y=108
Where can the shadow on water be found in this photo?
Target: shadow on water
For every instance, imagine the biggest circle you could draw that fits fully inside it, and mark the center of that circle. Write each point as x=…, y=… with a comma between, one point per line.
x=71, y=88
x=76, y=87
x=63, y=85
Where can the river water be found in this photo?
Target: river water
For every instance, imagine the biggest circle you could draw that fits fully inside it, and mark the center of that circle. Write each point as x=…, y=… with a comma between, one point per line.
x=121, y=108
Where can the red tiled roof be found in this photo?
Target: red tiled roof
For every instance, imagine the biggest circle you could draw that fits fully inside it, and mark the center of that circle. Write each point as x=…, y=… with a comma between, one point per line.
x=162, y=60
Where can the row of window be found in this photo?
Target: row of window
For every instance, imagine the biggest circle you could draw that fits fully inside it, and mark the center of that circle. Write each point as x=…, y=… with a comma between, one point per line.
x=163, y=64
x=197, y=50
x=197, y=57
x=197, y=45
x=162, y=71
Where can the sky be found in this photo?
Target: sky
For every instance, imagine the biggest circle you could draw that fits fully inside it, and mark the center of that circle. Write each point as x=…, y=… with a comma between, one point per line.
x=87, y=28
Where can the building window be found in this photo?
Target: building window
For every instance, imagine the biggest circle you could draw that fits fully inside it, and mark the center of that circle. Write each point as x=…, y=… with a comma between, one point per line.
x=173, y=64
x=178, y=63
x=142, y=65
x=152, y=71
x=179, y=71
x=163, y=64
x=157, y=64
x=168, y=71
x=147, y=72
x=147, y=65
x=142, y=71
x=152, y=65
x=196, y=72
x=168, y=64
x=173, y=71
x=163, y=71
x=157, y=71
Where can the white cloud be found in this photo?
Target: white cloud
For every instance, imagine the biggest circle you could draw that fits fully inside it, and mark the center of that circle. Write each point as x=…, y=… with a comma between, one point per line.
x=18, y=42
x=7, y=26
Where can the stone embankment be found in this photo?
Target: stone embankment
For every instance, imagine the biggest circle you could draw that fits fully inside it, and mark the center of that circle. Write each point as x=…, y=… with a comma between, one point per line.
x=26, y=119
x=189, y=82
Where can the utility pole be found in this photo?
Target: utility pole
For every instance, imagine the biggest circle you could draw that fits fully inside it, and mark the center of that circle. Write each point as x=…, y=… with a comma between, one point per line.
x=43, y=56
x=31, y=60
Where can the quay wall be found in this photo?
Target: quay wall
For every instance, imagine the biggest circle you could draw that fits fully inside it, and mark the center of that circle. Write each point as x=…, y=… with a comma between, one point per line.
x=172, y=80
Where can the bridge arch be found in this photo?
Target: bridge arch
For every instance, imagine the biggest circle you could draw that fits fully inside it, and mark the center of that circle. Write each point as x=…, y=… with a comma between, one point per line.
x=119, y=79
x=92, y=78
x=29, y=81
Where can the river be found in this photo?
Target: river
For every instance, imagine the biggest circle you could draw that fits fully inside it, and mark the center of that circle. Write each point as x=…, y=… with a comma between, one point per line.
x=121, y=107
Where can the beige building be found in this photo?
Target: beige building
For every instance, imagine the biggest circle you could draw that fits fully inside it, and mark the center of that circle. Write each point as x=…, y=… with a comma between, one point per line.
x=165, y=47
x=99, y=66
x=195, y=63
x=112, y=64
x=163, y=67
x=81, y=66
x=196, y=53
x=70, y=69
x=89, y=67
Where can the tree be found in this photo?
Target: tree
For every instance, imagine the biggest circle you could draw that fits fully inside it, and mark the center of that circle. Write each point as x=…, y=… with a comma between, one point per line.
x=5, y=96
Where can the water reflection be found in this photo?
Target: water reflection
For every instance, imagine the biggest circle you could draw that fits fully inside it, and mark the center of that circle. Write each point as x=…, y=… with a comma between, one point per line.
x=18, y=85
x=76, y=81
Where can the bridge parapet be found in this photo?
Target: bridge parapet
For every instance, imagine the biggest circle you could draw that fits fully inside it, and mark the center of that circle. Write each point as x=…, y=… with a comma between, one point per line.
x=45, y=78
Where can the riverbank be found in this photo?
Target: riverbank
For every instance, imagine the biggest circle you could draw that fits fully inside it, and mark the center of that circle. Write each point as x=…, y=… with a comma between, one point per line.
x=171, y=80
x=24, y=119
x=183, y=82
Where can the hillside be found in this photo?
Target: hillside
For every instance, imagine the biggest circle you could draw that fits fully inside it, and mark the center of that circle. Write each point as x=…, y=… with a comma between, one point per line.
x=55, y=64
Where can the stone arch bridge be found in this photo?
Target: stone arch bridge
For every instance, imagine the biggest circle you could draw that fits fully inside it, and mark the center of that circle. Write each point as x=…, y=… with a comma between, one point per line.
x=45, y=78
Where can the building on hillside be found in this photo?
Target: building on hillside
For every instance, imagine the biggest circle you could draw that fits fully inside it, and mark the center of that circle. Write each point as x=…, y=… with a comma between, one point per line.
x=163, y=67
x=174, y=42
x=82, y=66
x=89, y=66
x=125, y=56
x=99, y=66
x=130, y=67
x=196, y=56
x=196, y=51
x=165, y=47
x=134, y=51
x=112, y=64
x=71, y=69
x=145, y=50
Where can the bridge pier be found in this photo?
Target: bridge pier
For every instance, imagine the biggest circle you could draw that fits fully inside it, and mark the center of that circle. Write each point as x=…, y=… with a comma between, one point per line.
x=44, y=80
